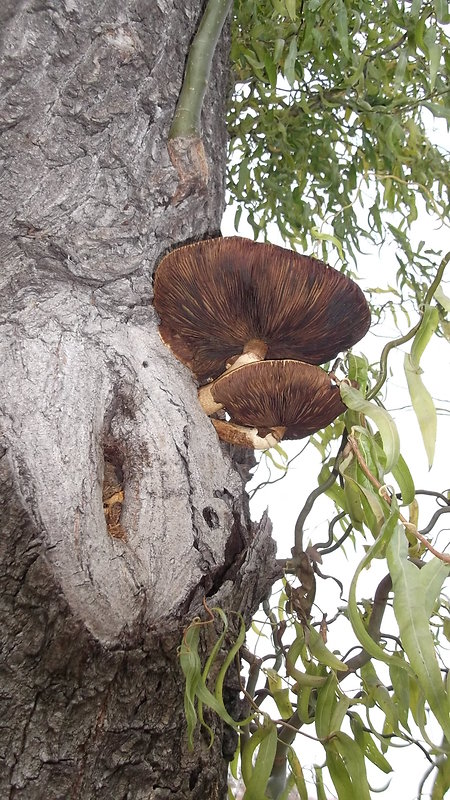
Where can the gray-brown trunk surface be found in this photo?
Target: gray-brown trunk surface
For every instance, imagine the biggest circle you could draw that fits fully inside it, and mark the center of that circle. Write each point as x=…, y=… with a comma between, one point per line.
x=93, y=406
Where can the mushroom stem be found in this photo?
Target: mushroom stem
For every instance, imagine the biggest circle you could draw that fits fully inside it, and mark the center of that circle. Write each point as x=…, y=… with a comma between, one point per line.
x=254, y=350
x=246, y=437
x=206, y=399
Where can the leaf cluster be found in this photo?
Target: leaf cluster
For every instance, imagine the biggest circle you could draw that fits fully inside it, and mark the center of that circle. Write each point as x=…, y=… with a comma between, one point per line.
x=329, y=111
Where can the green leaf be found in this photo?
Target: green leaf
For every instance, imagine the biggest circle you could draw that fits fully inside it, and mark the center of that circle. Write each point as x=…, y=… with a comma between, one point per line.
x=415, y=593
x=428, y=325
x=401, y=694
x=257, y=776
x=338, y=771
x=367, y=744
x=191, y=666
x=319, y=650
x=327, y=237
x=289, y=62
x=342, y=27
x=404, y=479
x=318, y=774
x=232, y=652
x=297, y=772
x=364, y=638
x=421, y=399
x=380, y=695
x=340, y=711
x=423, y=406
x=279, y=694
x=441, y=11
x=352, y=759
x=326, y=702
x=291, y=9
x=304, y=679
x=434, y=54
x=354, y=400
x=442, y=298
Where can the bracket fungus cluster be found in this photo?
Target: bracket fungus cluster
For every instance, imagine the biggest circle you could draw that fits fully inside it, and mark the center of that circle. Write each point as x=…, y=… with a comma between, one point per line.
x=256, y=320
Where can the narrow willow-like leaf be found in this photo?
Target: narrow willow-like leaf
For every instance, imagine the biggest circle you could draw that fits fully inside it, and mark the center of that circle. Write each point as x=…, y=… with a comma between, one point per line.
x=340, y=710
x=428, y=325
x=327, y=237
x=297, y=772
x=415, y=593
x=364, y=638
x=423, y=406
x=352, y=496
x=358, y=369
x=354, y=400
x=326, y=702
x=367, y=744
x=442, y=298
x=304, y=706
x=319, y=650
x=279, y=694
x=266, y=739
x=191, y=667
x=353, y=759
x=380, y=695
x=421, y=399
x=401, y=694
x=269, y=456
x=289, y=62
x=405, y=481
x=304, y=679
x=320, y=789
x=291, y=9
x=338, y=772
x=195, y=686
x=227, y=661
x=373, y=506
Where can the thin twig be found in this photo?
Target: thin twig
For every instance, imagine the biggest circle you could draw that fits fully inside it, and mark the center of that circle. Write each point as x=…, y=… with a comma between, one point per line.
x=445, y=557
x=311, y=499
x=373, y=628
x=402, y=339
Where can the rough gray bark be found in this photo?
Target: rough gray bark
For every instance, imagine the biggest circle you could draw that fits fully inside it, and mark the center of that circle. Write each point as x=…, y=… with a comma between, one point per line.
x=91, y=697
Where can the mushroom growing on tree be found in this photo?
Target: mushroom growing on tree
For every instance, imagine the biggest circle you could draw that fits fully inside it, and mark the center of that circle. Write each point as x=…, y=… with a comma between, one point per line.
x=271, y=400
x=220, y=300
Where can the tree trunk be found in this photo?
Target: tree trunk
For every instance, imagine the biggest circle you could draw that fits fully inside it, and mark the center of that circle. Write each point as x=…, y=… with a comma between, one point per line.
x=96, y=412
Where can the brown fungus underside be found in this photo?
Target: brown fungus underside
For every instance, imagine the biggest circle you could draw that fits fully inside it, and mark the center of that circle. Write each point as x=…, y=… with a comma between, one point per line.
x=270, y=395
x=216, y=296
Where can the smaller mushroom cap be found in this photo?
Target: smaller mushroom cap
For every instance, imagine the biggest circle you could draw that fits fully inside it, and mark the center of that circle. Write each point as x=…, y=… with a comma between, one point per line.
x=271, y=394
x=218, y=296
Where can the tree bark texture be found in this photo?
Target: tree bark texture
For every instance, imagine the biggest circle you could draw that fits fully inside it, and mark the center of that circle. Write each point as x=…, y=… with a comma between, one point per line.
x=91, y=695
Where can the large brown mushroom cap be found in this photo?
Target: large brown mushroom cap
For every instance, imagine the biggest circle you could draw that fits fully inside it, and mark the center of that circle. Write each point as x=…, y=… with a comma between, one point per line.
x=273, y=394
x=215, y=296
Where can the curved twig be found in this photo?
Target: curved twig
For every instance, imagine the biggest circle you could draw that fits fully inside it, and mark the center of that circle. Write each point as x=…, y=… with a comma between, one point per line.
x=373, y=628
x=445, y=557
x=434, y=519
x=321, y=545
x=403, y=339
x=311, y=499
x=338, y=542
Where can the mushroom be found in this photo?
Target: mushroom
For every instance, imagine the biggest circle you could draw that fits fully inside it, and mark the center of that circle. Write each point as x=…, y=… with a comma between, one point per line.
x=271, y=400
x=234, y=300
